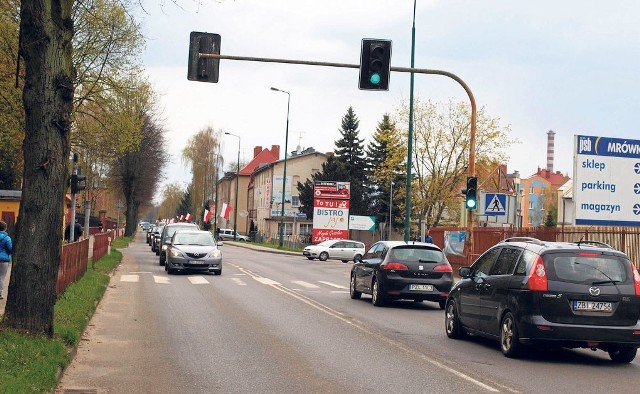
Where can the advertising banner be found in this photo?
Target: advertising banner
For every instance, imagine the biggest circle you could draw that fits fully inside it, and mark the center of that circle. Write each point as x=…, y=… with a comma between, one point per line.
x=606, y=184
x=330, y=211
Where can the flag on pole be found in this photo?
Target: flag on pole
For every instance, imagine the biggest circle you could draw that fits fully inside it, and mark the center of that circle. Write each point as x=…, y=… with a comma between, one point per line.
x=188, y=217
x=181, y=218
x=226, y=209
x=207, y=216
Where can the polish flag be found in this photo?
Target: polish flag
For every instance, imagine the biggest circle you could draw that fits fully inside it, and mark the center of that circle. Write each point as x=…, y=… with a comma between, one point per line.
x=181, y=218
x=188, y=217
x=226, y=209
x=207, y=216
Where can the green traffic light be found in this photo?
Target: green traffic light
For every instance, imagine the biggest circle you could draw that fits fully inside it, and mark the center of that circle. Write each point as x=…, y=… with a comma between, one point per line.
x=374, y=78
x=471, y=204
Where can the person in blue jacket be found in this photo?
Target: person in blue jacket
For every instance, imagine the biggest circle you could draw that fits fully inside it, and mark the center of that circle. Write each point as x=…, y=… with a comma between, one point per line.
x=5, y=253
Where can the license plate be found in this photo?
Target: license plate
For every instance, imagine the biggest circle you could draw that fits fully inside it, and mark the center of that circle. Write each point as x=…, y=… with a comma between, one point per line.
x=592, y=306
x=197, y=262
x=421, y=287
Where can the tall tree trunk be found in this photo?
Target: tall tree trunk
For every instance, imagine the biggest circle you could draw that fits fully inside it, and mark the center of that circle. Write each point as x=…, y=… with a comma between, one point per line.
x=46, y=30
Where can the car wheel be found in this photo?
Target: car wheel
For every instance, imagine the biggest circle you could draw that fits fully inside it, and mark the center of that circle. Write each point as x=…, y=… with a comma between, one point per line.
x=162, y=262
x=310, y=258
x=355, y=294
x=345, y=261
x=165, y=267
x=452, y=324
x=323, y=256
x=442, y=304
x=623, y=355
x=171, y=271
x=218, y=272
x=509, y=338
x=357, y=257
x=377, y=298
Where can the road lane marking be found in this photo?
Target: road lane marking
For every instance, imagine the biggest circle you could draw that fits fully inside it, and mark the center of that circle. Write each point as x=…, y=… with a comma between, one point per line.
x=305, y=284
x=239, y=281
x=129, y=278
x=265, y=281
x=333, y=285
x=339, y=292
x=443, y=365
x=161, y=279
x=198, y=280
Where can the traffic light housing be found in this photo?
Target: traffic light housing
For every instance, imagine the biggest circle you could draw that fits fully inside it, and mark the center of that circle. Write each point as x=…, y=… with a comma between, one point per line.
x=203, y=69
x=471, y=200
x=78, y=182
x=375, y=64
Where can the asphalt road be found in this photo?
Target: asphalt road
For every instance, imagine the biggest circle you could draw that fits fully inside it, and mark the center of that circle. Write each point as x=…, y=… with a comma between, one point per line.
x=281, y=323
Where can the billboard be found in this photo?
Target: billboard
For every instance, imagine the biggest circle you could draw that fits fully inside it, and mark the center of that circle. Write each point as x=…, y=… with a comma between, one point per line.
x=606, y=185
x=330, y=211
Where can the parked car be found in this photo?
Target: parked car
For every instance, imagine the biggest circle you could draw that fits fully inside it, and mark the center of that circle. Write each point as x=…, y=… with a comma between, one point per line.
x=226, y=234
x=155, y=239
x=167, y=233
x=524, y=291
x=338, y=249
x=193, y=250
x=394, y=270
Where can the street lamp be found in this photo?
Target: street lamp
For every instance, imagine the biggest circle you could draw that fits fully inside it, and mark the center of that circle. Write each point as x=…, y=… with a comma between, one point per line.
x=235, y=210
x=390, y=208
x=284, y=172
x=407, y=218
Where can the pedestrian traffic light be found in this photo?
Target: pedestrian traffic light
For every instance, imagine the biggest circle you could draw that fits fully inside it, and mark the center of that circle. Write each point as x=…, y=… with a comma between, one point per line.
x=203, y=69
x=78, y=182
x=471, y=202
x=375, y=64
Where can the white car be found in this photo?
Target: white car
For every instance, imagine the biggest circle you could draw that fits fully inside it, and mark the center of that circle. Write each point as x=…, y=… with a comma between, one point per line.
x=338, y=249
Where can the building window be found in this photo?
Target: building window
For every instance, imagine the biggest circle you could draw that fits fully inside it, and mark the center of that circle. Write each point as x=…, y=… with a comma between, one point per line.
x=532, y=189
x=288, y=229
x=295, y=201
x=530, y=204
x=305, y=228
x=530, y=220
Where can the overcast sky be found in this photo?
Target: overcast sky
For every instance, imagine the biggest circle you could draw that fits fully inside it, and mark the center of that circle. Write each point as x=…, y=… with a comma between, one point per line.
x=567, y=66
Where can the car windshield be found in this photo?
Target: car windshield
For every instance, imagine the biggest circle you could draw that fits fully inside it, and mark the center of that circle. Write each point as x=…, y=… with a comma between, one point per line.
x=417, y=254
x=327, y=243
x=586, y=268
x=203, y=239
x=171, y=230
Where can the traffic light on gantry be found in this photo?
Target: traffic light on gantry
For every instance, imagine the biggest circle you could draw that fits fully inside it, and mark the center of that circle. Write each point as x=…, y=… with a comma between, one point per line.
x=375, y=64
x=203, y=69
x=471, y=201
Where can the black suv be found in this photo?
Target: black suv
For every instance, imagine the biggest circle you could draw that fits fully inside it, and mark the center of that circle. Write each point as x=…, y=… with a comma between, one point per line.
x=524, y=291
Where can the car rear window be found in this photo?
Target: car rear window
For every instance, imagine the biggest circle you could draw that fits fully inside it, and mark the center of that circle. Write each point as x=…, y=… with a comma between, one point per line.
x=586, y=267
x=416, y=254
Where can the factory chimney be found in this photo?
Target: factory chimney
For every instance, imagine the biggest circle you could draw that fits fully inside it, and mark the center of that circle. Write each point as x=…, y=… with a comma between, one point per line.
x=550, y=138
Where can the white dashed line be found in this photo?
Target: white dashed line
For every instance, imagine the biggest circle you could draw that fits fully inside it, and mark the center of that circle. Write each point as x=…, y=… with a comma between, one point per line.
x=129, y=278
x=198, y=280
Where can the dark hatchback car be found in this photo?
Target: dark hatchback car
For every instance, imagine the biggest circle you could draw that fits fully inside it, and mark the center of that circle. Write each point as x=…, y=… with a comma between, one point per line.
x=524, y=291
x=394, y=270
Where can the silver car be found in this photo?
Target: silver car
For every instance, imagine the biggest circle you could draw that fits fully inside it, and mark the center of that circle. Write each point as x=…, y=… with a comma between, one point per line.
x=193, y=250
x=339, y=249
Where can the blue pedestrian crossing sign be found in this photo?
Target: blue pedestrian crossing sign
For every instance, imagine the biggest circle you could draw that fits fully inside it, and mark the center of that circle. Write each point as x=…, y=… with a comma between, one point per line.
x=495, y=204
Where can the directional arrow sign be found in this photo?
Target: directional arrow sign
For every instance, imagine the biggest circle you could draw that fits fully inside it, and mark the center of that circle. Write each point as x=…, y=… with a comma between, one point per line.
x=366, y=223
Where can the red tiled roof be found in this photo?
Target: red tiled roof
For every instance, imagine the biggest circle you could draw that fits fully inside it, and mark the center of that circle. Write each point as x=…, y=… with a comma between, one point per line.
x=264, y=157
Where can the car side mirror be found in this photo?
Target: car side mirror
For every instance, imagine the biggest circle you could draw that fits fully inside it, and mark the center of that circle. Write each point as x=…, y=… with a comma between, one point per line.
x=167, y=241
x=464, y=272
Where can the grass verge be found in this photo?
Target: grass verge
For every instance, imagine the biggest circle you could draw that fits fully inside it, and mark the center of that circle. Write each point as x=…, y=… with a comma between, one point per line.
x=31, y=364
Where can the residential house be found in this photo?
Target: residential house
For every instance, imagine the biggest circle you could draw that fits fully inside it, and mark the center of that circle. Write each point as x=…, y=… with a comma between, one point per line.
x=265, y=193
x=539, y=194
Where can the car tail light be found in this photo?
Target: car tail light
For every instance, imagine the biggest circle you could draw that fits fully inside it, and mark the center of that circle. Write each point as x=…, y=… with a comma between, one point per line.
x=443, y=268
x=538, y=276
x=395, y=266
x=586, y=254
x=636, y=279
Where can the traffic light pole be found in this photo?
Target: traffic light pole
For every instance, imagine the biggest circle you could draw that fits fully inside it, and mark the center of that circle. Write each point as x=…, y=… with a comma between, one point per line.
x=468, y=245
